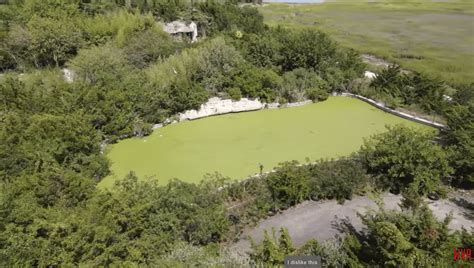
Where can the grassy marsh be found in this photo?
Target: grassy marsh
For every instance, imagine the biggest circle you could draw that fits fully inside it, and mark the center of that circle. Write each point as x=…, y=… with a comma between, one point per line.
x=426, y=36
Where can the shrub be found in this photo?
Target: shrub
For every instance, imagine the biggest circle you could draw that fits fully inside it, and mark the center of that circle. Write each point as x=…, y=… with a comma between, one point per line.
x=404, y=156
x=144, y=48
x=256, y=83
x=317, y=94
x=289, y=184
x=234, y=93
x=296, y=84
x=338, y=179
x=99, y=66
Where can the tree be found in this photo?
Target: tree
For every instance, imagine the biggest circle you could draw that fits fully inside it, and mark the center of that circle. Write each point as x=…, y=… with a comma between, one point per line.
x=301, y=84
x=411, y=238
x=216, y=61
x=54, y=32
x=464, y=94
x=100, y=66
x=394, y=249
x=227, y=16
x=256, y=83
x=285, y=243
x=403, y=156
x=272, y=251
x=309, y=49
x=459, y=137
x=145, y=47
x=262, y=50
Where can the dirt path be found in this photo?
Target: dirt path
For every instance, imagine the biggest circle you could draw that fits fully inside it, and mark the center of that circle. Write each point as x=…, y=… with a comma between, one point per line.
x=318, y=219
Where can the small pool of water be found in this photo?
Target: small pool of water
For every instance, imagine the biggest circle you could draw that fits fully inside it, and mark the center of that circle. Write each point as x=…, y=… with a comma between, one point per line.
x=237, y=144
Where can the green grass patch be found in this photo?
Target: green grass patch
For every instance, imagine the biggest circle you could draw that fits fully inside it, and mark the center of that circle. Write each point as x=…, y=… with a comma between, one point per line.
x=235, y=144
x=438, y=37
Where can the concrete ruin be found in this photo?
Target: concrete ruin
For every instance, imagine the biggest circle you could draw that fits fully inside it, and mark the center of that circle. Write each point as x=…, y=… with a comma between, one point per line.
x=69, y=75
x=177, y=28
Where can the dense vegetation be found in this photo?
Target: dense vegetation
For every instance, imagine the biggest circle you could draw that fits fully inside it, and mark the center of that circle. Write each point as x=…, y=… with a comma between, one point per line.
x=410, y=238
x=129, y=75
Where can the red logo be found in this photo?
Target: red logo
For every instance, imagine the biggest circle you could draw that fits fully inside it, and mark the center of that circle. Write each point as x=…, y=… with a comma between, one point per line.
x=462, y=254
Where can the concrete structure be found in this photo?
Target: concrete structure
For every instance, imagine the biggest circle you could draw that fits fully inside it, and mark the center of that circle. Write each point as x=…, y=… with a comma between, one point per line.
x=180, y=27
x=382, y=107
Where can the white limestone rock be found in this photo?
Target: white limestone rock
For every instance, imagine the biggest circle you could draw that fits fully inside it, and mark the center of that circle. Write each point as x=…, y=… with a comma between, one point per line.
x=216, y=106
x=155, y=126
x=370, y=75
x=273, y=105
x=69, y=75
x=296, y=104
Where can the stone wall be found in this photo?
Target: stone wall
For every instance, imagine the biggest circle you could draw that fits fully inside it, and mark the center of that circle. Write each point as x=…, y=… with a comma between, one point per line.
x=217, y=106
x=382, y=106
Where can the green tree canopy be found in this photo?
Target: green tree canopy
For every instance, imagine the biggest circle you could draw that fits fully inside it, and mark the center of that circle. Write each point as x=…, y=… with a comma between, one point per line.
x=403, y=156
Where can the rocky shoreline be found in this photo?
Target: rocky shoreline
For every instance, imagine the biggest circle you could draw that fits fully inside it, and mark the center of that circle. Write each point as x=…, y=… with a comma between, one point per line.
x=218, y=106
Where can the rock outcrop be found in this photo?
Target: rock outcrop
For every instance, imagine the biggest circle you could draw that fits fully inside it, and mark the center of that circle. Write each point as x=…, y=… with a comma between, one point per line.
x=69, y=75
x=370, y=75
x=295, y=104
x=216, y=106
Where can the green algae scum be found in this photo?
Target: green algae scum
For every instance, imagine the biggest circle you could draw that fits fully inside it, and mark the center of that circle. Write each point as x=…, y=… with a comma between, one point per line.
x=236, y=144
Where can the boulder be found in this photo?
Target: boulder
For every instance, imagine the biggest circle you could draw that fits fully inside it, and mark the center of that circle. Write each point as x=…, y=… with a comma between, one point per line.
x=69, y=75
x=370, y=75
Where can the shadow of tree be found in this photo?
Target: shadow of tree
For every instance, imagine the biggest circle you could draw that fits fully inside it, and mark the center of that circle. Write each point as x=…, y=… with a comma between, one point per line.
x=466, y=205
x=345, y=226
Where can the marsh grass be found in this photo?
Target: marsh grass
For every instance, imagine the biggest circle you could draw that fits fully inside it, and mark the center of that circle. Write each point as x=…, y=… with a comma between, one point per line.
x=432, y=37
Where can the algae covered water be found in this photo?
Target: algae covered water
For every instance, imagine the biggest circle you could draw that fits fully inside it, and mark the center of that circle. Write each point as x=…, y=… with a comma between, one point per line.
x=236, y=144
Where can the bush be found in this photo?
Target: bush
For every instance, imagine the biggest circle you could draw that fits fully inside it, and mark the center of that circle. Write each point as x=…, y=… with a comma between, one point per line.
x=317, y=94
x=297, y=83
x=256, y=83
x=261, y=50
x=144, y=48
x=398, y=88
x=338, y=179
x=404, y=156
x=289, y=184
x=210, y=65
x=234, y=93
x=308, y=48
x=100, y=66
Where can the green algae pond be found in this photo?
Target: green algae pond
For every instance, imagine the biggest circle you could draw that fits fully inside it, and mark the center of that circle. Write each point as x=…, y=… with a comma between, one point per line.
x=236, y=144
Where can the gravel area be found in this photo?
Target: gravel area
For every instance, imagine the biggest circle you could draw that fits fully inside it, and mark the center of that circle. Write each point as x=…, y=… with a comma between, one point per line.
x=319, y=220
